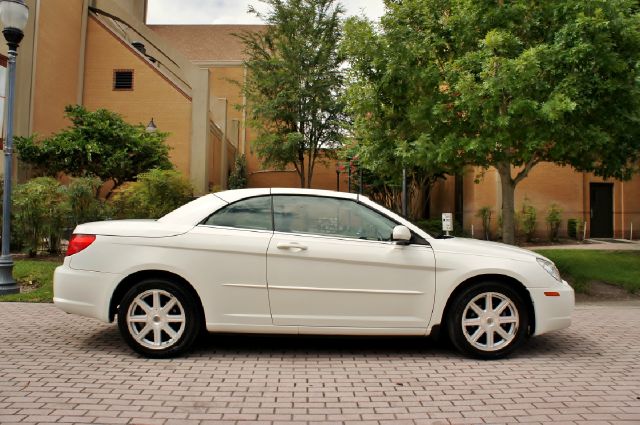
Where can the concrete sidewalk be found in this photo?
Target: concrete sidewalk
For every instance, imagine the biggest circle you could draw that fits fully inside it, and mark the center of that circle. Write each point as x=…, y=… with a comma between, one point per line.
x=596, y=244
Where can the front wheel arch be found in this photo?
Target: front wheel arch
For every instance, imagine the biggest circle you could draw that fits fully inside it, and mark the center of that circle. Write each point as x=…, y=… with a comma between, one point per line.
x=516, y=284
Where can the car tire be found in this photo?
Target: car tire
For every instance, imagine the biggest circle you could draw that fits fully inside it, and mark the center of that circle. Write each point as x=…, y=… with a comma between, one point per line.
x=488, y=320
x=159, y=318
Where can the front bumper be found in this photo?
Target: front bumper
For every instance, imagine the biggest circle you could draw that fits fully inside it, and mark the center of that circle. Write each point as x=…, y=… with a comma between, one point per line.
x=552, y=311
x=82, y=292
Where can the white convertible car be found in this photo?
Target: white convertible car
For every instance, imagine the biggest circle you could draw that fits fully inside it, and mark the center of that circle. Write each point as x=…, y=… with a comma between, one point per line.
x=294, y=261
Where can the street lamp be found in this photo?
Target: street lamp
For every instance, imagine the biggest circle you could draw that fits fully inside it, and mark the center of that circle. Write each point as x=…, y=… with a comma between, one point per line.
x=13, y=15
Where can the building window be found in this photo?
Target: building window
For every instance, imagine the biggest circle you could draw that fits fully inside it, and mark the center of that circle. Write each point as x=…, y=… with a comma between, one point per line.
x=123, y=79
x=3, y=96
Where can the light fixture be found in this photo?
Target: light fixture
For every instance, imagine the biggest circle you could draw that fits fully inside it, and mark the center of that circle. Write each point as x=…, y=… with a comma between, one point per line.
x=13, y=17
x=151, y=127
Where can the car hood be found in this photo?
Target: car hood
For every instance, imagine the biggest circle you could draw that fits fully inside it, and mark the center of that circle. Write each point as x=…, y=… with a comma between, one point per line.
x=482, y=248
x=133, y=228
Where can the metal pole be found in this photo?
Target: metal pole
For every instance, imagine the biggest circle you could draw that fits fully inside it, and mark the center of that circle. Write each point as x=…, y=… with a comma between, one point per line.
x=404, y=192
x=349, y=165
x=337, y=180
x=8, y=284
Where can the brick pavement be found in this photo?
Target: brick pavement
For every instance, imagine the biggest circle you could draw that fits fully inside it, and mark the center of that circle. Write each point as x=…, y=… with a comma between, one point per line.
x=58, y=368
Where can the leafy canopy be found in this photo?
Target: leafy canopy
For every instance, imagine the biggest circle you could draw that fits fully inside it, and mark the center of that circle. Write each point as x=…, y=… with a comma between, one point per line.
x=498, y=83
x=294, y=82
x=98, y=143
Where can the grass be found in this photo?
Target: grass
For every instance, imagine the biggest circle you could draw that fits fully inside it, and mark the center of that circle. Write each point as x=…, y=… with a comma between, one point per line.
x=620, y=268
x=36, y=276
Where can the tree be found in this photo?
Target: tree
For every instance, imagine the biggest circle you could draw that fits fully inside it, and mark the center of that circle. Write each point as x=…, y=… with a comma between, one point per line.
x=99, y=144
x=294, y=82
x=510, y=84
x=386, y=74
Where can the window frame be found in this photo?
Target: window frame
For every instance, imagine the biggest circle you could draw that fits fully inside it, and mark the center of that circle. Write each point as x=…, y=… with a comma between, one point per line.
x=224, y=207
x=416, y=239
x=334, y=236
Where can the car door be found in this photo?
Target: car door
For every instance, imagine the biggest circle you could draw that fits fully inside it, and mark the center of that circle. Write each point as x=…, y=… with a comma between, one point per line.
x=229, y=249
x=331, y=263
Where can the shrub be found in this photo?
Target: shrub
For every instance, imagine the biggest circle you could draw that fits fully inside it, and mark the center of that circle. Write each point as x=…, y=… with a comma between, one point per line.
x=40, y=210
x=98, y=143
x=528, y=219
x=238, y=177
x=154, y=194
x=85, y=204
x=554, y=218
x=572, y=228
x=484, y=214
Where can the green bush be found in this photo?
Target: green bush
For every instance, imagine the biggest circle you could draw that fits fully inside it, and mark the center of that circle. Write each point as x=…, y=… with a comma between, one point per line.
x=85, y=204
x=572, y=228
x=554, y=218
x=40, y=209
x=154, y=194
x=97, y=143
x=528, y=218
x=238, y=177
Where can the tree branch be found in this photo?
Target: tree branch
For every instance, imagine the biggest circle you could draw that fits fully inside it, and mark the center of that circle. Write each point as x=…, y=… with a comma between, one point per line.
x=525, y=171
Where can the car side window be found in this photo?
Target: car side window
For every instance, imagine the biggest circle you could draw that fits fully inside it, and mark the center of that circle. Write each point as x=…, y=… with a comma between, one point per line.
x=252, y=213
x=331, y=217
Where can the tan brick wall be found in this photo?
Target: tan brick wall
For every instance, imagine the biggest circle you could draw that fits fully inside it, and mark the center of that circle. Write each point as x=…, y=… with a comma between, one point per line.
x=222, y=86
x=56, y=65
x=630, y=214
x=152, y=94
x=546, y=184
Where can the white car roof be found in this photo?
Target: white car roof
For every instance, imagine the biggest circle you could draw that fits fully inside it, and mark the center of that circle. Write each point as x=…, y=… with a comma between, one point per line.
x=313, y=192
x=195, y=211
x=200, y=208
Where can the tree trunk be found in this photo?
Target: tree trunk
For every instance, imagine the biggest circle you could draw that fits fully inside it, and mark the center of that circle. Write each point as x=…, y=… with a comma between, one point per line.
x=508, y=186
x=301, y=171
x=309, y=170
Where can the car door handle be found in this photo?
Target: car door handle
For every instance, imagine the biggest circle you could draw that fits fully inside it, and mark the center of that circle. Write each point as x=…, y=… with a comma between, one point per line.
x=291, y=245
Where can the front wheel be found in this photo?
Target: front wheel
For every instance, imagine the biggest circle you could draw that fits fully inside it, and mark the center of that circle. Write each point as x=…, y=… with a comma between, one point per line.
x=158, y=318
x=488, y=320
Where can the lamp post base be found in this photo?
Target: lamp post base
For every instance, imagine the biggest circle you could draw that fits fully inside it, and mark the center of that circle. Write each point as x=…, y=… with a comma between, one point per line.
x=8, y=284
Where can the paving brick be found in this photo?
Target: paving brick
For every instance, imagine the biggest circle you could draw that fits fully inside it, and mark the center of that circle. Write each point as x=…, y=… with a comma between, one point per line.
x=64, y=368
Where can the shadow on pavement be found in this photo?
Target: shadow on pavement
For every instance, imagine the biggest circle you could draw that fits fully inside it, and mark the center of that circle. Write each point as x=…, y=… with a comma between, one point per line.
x=107, y=340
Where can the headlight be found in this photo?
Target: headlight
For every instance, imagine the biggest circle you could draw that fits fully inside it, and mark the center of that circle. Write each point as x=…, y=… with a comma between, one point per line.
x=550, y=268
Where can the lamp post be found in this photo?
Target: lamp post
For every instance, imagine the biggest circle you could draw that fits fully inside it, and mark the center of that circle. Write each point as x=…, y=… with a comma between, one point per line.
x=13, y=15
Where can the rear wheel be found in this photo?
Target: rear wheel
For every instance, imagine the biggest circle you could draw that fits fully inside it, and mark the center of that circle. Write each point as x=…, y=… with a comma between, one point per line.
x=159, y=318
x=488, y=320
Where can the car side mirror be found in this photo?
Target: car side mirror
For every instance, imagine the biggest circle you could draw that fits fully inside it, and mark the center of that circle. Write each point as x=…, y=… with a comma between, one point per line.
x=401, y=235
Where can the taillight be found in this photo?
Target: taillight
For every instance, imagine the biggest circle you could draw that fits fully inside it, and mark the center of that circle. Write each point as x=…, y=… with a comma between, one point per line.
x=79, y=242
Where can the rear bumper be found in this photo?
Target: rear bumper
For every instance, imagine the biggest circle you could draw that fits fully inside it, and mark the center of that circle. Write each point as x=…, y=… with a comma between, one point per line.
x=553, y=312
x=82, y=292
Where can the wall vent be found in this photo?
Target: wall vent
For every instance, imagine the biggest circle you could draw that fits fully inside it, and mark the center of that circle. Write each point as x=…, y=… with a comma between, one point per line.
x=123, y=79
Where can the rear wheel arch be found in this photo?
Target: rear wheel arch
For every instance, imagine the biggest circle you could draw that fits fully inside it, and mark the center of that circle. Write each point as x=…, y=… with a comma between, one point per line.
x=126, y=284
x=514, y=283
